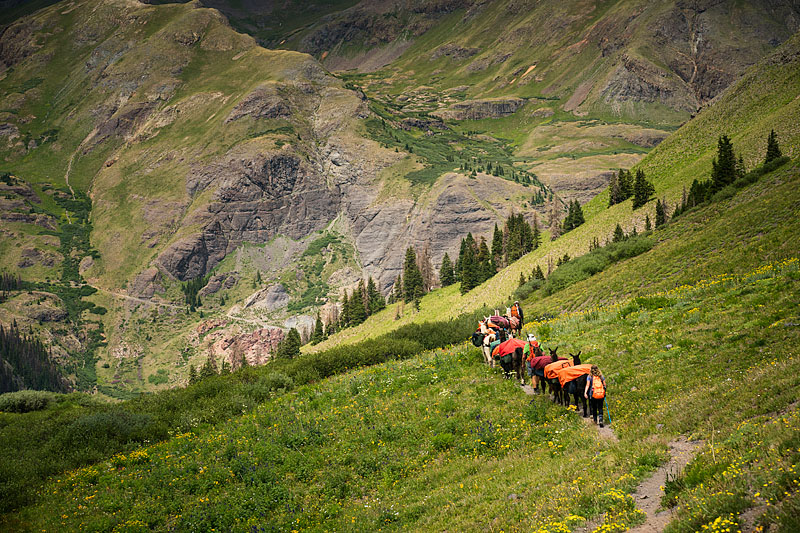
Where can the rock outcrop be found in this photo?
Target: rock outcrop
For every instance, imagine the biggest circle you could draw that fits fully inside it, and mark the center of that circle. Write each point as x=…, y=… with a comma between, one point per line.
x=480, y=109
x=272, y=298
x=258, y=195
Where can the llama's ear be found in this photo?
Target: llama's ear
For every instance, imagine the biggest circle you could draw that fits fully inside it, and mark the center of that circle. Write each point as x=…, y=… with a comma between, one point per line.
x=579, y=353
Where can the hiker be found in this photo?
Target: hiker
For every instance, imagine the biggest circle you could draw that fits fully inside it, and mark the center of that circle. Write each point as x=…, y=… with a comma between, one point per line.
x=516, y=312
x=530, y=351
x=595, y=392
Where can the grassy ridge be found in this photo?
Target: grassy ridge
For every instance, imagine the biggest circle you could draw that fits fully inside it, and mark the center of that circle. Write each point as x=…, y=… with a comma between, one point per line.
x=440, y=442
x=765, y=98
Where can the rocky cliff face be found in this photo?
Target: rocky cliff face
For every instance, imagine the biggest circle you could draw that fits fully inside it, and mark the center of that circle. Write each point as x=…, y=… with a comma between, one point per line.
x=480, y=109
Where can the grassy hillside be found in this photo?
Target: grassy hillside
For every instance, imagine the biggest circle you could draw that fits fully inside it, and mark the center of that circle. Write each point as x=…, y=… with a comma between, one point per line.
x=441, y=442
x=766, y=98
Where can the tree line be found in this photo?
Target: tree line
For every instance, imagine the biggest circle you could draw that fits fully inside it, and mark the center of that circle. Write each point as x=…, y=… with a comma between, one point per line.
x=25, y=363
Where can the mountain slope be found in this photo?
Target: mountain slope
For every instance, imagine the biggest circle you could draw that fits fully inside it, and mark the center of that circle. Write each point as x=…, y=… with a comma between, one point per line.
x=767, y=97
x=178, y=149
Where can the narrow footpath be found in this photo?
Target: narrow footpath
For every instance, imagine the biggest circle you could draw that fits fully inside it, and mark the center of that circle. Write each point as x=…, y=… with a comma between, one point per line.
x=649, y=492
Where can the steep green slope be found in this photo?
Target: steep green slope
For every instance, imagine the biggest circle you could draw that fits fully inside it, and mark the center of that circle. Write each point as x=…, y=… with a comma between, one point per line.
x=441, y=442
x=766, y=98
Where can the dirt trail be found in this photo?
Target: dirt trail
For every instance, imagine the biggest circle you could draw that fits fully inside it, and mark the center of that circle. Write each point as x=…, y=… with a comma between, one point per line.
x=649, y=492
x=606, y=432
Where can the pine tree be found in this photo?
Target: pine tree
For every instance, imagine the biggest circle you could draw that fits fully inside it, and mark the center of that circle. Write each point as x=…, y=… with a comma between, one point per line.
x=374, y=297
x=538, y=274
x=647, y=225
x=412, y=279
x=625, y=184
x=225, y=368
x=619, y=235
x=289, y=347
x=397, y=290
x=358, y=313
x=209, y=368
x=575, y=216
x=344, y=318
x=642, y=190
x=773, y=150
x=446, y=275
x=193, y=378
x=318, y=334
x=614, y=194
x=537, y=234
x=469, y=265
x=723, y=168
x=661, y=215
x=522, y=280
x=243, y=362
x=497, y=249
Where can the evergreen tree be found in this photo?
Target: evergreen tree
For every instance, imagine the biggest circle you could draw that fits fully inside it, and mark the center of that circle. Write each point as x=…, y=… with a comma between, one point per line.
x=537, y=234
x=647, y=225
x=344, y=318
x=446, y=275
x=243, y=362
x=773, y=150
x=289, y=347
x=319, y=333
x=193, y=378
x=642, y=190
x=613, y=191
x=209, y=368
x=469, y=264
x=625, y=184
x=723, y=168
x=619, y=235
x=358, y=312
x=522, y=280
x=497, y=249
x=661, y=215
x=484, y=258
x=574, y=217
x=397, y=290
x=225, y=368
x=538, y=274
x=374, y=297
x=412, y=279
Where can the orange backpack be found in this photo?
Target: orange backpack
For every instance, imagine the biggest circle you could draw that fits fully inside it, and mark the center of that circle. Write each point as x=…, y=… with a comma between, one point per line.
x=598, y=388
x=515, y=311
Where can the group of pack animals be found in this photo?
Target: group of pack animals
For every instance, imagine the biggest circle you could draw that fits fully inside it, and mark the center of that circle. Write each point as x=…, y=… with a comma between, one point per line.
x=566, y=378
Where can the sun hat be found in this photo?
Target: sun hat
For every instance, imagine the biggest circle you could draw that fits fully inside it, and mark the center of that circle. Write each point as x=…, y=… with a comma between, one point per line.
x=531, y=337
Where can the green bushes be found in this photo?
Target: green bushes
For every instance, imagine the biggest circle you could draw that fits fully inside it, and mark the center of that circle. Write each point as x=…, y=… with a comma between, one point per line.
x=25, y=401
x=597, y=260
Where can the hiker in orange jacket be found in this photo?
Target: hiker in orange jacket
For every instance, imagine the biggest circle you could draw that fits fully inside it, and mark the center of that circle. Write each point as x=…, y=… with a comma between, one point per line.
x=595, y=392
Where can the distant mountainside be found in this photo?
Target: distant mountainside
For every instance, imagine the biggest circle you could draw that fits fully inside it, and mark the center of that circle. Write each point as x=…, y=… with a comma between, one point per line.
x=203, y=154
x=143, y=146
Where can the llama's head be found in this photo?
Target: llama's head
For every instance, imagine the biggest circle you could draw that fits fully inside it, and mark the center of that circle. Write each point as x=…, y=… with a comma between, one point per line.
x=554, y=353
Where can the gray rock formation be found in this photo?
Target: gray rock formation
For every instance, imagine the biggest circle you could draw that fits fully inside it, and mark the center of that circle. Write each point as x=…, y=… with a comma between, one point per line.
x=480, y=109
x=264, y=102
x=257, y=196
x=146, y=284
x=272, y=298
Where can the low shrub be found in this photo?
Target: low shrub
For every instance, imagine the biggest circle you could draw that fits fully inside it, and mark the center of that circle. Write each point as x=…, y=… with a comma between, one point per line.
x=25, y=401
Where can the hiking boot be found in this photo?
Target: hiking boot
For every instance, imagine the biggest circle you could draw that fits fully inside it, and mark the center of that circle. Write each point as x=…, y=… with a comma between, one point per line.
x=601, y=424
